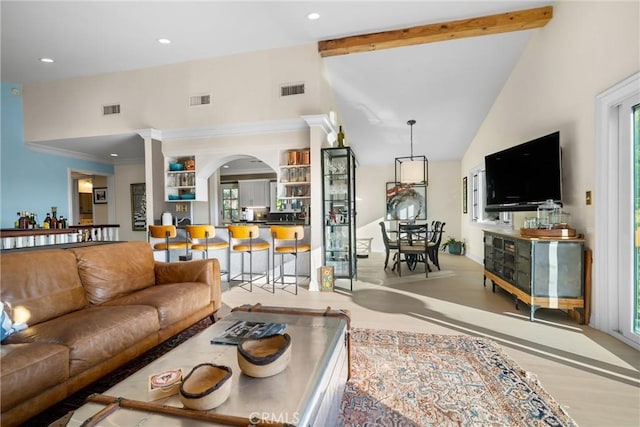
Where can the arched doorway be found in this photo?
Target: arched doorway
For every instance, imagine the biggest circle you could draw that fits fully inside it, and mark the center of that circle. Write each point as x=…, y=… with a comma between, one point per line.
x=246, y=190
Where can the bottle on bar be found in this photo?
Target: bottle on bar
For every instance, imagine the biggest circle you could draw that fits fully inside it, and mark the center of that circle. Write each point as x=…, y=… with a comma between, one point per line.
x=47, y=221
x=54, y=219
x=23, y=222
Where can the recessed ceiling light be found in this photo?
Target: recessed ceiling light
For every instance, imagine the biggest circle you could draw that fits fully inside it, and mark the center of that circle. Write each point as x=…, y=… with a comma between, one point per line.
x=225, y=166
x=47, y=60
x=114, y=154
x=164, y=41
x=313, y=16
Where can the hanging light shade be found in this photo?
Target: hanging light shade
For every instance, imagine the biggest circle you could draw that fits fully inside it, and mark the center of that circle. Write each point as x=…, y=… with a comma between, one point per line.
x=412, y=169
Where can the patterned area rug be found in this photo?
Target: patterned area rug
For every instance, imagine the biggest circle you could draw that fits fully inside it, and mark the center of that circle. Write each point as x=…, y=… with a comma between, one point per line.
x=413, y=379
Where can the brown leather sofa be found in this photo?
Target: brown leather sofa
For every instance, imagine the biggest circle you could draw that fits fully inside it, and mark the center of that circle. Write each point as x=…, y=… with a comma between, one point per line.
x=89, y=310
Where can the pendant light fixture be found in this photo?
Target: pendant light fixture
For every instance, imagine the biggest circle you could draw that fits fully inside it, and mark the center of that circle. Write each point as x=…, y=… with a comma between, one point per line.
x=412, y=169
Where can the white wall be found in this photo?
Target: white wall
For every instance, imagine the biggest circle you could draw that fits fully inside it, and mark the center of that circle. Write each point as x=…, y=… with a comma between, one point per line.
x=586, y=48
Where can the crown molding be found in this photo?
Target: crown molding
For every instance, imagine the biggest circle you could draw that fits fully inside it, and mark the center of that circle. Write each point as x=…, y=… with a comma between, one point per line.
x=271, y=126
x=40, y=148
x=320, y=120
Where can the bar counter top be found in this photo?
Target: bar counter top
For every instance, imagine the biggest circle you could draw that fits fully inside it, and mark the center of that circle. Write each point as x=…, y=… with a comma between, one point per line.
x=264, y=224
x=18, y=238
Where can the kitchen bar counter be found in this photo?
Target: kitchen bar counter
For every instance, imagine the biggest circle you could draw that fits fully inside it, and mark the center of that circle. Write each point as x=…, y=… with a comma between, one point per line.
x=266, y=224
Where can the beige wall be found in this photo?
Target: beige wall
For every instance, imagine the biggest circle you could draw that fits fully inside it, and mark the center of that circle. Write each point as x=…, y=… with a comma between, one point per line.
x=244, y=89
x=586, y=48
x=125, y=175
x=101, y=211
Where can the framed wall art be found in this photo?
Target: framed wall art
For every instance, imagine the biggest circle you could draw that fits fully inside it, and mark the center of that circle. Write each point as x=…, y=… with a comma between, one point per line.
x=99, y=195
x=406, y=201
x=138, y=207
x=464, y=195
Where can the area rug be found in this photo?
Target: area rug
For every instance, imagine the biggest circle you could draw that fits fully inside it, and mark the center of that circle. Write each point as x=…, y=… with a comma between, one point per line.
x=413, y=379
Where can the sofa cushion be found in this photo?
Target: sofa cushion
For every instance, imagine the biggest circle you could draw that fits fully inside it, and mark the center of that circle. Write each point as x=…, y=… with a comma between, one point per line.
x=173, y=301
x=113, y=270
x=41, y=285
x=28, y=369
x=95, y=334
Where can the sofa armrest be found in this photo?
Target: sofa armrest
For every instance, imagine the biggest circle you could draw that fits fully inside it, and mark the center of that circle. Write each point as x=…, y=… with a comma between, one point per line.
x=204, y=271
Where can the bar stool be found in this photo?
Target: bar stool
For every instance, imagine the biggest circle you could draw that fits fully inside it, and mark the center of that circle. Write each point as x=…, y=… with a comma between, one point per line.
x=166, y=232
x=286, y=240
x=246, y=239
x=203, y=234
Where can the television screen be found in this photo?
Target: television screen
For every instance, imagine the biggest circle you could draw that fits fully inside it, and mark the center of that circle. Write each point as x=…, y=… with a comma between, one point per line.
x=521, y=177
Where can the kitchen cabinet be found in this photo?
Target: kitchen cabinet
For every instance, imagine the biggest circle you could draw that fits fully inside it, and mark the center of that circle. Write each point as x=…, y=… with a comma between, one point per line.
x=254, y=193
x=544, y=273
x=339, y=213
x=85, y=201
x=182, y=182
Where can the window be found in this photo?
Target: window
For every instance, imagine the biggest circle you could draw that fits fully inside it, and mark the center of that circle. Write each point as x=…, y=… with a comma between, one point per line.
x=478, y=201
x=230, y=211
x=636, y=221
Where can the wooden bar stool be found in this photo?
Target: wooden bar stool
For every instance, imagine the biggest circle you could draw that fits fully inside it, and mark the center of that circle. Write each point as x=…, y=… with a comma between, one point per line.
x=206, y=240
x=246, y=239
x=166, y=232
x=286, y=240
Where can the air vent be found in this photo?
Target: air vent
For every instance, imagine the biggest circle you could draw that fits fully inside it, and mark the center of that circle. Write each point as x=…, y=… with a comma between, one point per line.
x=294, y=89
x=107, y=110
x=195, y=100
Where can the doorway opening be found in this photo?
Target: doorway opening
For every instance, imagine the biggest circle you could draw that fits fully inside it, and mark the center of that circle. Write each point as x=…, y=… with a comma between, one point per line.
x=82, y=209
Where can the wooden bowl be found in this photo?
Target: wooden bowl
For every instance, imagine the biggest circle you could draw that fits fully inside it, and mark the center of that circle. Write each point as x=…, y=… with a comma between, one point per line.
x=266, y=356
x=206, y=387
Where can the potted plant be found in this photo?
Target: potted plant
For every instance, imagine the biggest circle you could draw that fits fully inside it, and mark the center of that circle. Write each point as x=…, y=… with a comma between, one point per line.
x=456, y=247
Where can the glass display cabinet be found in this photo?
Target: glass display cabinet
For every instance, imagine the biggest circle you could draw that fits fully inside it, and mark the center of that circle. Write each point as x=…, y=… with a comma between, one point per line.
x=339, y=214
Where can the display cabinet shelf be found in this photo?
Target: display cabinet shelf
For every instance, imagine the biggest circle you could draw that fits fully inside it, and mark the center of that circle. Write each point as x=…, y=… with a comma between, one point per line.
x=183, y=184
x=339, y=214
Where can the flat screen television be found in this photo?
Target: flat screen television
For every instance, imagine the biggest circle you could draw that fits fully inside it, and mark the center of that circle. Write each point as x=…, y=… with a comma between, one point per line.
x=522, y=177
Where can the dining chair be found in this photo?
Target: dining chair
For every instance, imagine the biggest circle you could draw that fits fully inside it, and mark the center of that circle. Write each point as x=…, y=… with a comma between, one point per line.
x=434, y=245
x=286, y=240
x=389, y=244
x=246, y=239
x=413, y=244
x=166, y=232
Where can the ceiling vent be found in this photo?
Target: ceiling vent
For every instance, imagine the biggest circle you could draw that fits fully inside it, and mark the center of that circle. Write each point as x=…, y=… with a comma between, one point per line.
x=108, y=110
x=196, y=100
x=292, y=89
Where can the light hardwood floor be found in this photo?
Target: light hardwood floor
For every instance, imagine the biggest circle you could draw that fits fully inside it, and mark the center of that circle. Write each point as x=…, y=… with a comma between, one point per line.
x=595, y=377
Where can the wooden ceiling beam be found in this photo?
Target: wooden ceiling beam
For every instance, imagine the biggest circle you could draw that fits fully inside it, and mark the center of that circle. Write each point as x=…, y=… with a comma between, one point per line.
x=471, y=27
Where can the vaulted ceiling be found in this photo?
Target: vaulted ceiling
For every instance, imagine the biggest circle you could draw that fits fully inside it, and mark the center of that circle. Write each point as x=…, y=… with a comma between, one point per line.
x=387, y=77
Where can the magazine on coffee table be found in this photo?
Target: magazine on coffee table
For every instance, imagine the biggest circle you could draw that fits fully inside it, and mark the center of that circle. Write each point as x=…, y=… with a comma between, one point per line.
x=244, y=329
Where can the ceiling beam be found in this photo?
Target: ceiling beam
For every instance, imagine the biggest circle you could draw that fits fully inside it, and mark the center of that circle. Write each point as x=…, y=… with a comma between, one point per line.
x=471, y=27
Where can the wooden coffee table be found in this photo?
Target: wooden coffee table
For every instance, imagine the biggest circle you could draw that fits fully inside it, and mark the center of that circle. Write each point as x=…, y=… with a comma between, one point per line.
x=307, y=392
